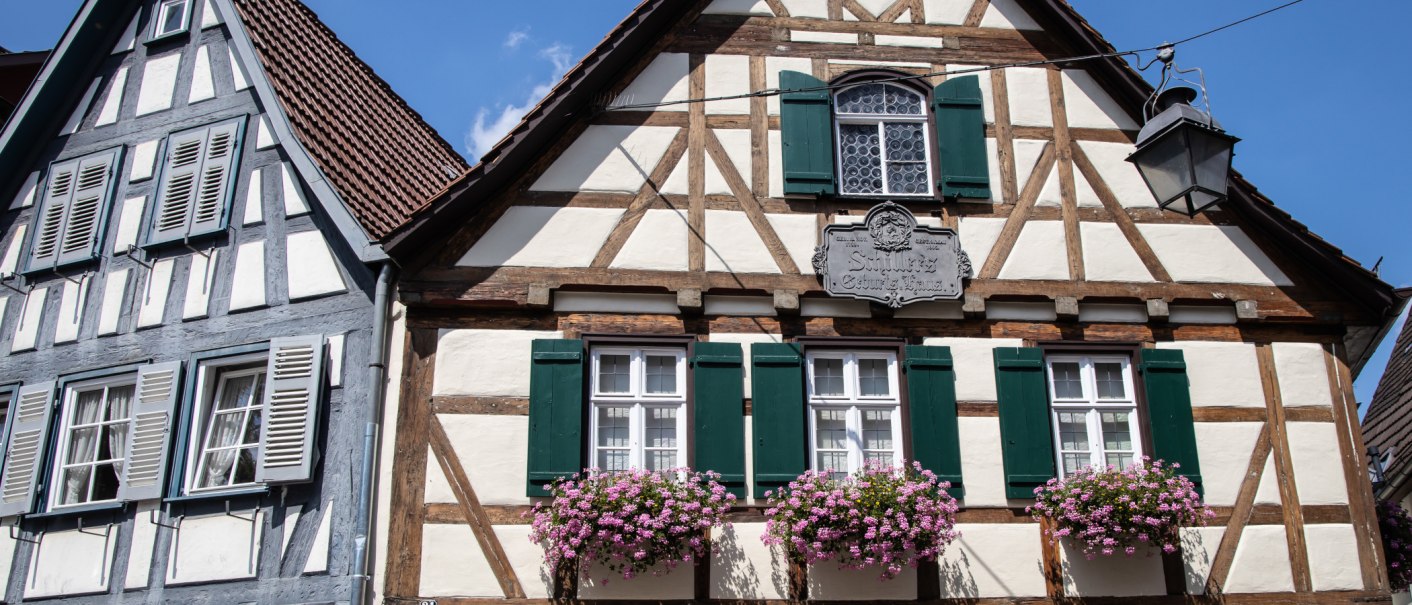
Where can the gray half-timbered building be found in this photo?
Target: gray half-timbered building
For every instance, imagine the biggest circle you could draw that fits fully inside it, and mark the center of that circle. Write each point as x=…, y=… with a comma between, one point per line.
x=190, y=302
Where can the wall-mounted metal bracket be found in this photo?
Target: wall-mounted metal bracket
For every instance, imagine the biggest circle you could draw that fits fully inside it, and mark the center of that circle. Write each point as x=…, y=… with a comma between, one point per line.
x=155, y=520
x=133, y=253
x=20, y=537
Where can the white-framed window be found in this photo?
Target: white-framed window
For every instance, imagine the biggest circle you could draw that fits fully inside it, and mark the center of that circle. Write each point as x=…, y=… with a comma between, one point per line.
x=884, y=144
x=855, y=410
x=172, y=17
x=95, y=422
x=224, y=444
x=638, y=416
x=1094, y=411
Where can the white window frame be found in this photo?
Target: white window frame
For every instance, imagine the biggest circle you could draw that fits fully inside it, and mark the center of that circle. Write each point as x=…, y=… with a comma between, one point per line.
x=209, y=374
x=1093, y=406
x=159, y=17
x=637, y=400
x=854, y=404
x=879, y=119
x=61, y=447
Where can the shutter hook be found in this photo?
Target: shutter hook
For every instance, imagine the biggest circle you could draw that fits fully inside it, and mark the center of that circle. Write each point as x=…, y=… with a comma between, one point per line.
x=250, y=520
x=132, y=253
x=155, y=520
x=105, y=533
x=21, y=536
x=4, y=281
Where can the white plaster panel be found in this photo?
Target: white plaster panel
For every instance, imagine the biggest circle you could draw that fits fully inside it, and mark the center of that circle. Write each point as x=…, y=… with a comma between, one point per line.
x=800, y=234
x=209, y=16
x=293, y=195
x=1029, y=95
x=71, y=562
x=1201, y=314
x=1221, y=373
x=714, y=183
x=742, y=567
x=254, y=198
x=311, y=268
x=26, y=196
x=776, y=164
x=7, y=555
x=934, y=309
x=437, y=487
x=203, y=86
x=1027, y=152
x=993, y=561
x=733, y=245
x=129, y=224
x=800, y=35
x=665, y=79
x=775, y=65
x=237, y=70
x=739, y=306
x=738, y=7
x=537, y=236
x=265, y=136
x=1103, y=312
x=1199, y=546
x=739, y=148
x=144, y=541
x=114, y=101
x=318, y=551
x=1318, y=466
x=248, y=280
x=1226, y=254
x=659, y=242
x=144, y=160
x=987, y=91
x=1303, y=374
x=806, y=9
x=1121, y=176
x=1333, y=557
x=946, y=12
x=488, y=363
x=1089, y=106
x=656, y=584
x=745, y=340
x=454, y=565
x=982, y=467
x=11, y=261
x=1268, y=492
x=526, y=559
x=834, y=307
x=1261, y=562
x=614, y=302
x=915, y=41
x=335, y=359
x=975, y=365
x=1087, y=197
x=217, y=547
x=829, y=583
x=158, y=83
x=1007, y=14
x=1108, y=256
x=1114, y=576
x=1050, y=194
x=114, y=291
x=728, y=75
x=978, y=237
x=154, y=299
x=200, y=279
x=876, y=7
x=27, y=332
x=1039, y=253
x=71, y=306
x=1021, y=311
x=1224, y=450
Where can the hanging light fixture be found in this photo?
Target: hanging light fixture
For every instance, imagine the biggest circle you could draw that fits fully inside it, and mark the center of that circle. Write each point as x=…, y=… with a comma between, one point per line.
x=1183, y=154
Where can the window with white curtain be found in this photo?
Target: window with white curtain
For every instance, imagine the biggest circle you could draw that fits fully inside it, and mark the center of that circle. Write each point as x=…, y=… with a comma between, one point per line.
x=1094, y=411
x=638, y=417
x=95, y=420
x=225, y=439
x=855, y=414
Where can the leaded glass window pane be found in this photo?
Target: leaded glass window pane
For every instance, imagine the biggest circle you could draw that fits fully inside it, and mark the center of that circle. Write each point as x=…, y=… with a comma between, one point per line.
x=1116, y=432
x=1073, y=431
x=614, y=374
x=613, y=426
x=865, y=99
x=872, y=378
x=1110, y=380
x=832, y=430
x=1067, y=381
x=877, y=430
x=662, y=427
x=661, y=374
x=859, y=152
x=828, y=377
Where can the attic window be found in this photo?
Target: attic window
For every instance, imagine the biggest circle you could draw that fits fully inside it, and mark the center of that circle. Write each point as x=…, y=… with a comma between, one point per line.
x=173, y=17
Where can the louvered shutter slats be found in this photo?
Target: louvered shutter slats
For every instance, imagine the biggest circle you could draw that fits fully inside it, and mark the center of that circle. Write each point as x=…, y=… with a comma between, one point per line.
x=214, y=190
x=293, y=377
x=196, y=183
x=178, y=187
x=48, y=232
x=85, y=215
x=150, y=437
x=29, y=433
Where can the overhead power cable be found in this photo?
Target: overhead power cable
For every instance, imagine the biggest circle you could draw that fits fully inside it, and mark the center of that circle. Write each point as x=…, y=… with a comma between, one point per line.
x=770, y=92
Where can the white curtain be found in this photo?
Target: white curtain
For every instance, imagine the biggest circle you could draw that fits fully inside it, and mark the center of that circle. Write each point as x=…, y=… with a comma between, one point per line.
x=82, y=446
x=119, y=409
x=225, y=430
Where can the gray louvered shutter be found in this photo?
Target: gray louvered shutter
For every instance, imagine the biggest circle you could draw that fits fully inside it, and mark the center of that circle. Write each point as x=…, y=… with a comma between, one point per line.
x=150, y=437
x=29, y=432
x=214, y=190
x=49, y=225
x=177, y=192
x=84, y=221
x=293, y=378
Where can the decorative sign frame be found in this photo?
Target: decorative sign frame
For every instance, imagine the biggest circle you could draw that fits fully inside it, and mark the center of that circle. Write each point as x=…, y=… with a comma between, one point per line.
x=890, y=259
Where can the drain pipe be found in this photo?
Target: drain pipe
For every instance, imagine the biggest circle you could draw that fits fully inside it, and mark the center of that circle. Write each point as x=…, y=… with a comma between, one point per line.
x=377, y=375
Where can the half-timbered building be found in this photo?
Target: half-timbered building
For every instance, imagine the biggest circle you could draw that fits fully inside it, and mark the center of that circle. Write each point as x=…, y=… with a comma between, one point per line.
x=656, y=268
x=193, y=190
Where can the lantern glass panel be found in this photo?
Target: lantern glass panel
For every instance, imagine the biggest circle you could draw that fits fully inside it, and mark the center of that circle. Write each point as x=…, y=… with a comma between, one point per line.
x=1212, y=154
x=1166, y=167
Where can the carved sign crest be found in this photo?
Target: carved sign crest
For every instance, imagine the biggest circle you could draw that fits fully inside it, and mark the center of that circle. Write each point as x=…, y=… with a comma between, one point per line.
x=889, y=258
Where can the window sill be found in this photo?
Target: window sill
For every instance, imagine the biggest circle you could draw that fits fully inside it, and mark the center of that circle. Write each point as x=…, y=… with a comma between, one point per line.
x=71, y=511
x=233, y=494
x=171, y=37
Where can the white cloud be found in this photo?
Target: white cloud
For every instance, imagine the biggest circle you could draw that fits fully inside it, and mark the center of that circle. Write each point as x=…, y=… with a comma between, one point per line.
x=516, y=38
x=558, y=54
x=492, y=124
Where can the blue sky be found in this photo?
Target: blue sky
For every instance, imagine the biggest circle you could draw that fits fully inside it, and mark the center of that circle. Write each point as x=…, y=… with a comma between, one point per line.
x=1307, y=100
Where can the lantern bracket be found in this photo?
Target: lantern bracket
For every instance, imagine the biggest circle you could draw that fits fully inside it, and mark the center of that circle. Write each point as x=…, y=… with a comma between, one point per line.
x=1173, y=76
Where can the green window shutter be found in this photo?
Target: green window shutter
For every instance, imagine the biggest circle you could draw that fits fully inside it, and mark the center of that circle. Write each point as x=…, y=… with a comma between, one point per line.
x=960, y=137
x=718, y=389
x=1024, y=420
x=806, y=129
x=777, y=414
x=931, y=393
x=555, y=412
x=1169, y=410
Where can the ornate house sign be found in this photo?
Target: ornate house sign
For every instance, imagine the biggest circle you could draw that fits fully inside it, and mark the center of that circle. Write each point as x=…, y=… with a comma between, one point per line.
x=888, y=258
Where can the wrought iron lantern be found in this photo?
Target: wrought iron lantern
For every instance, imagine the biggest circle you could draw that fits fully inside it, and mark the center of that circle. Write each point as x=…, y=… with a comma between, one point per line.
x=1182, y=152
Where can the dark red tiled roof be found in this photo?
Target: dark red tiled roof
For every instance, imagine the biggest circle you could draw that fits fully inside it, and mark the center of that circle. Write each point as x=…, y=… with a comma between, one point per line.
x=379, y=154
x=1388, y=423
